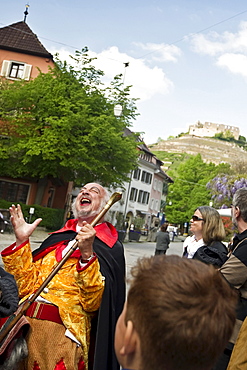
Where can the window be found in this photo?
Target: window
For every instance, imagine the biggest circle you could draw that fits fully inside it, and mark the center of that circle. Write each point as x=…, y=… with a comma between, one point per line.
x=136, y=174
x=140, y=196
x=143, y=197
x=133, y=194
x=146, y=177
x=15, y=70
x=157, y=205
x=13, y=192
x=155, y=184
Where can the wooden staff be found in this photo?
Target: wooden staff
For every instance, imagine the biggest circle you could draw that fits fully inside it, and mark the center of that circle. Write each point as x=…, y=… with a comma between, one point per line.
x=23, y=308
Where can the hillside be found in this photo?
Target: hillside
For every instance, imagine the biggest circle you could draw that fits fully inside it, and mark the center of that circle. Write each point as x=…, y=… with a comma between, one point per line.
x=211, y=150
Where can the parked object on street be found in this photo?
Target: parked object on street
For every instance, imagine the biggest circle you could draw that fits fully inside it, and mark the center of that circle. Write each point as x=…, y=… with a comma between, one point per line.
x=5, y=224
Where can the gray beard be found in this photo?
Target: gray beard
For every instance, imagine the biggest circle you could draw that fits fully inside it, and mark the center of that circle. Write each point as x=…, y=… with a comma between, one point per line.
x=235, y=224
x=82, y=213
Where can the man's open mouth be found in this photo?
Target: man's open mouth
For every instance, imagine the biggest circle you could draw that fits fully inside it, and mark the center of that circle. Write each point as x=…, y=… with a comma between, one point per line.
x=85, y=202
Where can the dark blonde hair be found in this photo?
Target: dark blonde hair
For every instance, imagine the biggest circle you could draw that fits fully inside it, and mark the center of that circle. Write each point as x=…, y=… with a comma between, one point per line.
x=183, y=311
x=164, y=227
x=213, y=227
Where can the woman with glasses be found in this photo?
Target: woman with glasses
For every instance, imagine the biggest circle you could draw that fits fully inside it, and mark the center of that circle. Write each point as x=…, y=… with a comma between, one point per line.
x=206, y=242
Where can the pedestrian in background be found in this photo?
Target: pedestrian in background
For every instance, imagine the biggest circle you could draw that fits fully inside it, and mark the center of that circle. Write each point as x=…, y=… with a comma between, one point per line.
x=171, y=232
x=162, y=240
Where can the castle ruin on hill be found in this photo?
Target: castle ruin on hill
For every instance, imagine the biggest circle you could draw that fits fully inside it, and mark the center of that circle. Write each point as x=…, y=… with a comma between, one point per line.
x=209, y=129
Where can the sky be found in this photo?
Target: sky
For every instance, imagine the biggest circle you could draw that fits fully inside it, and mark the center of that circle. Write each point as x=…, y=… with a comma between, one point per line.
x=187, y=58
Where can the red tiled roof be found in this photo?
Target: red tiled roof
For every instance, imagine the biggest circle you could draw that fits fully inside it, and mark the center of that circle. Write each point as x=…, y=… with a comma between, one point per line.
x=19, y=37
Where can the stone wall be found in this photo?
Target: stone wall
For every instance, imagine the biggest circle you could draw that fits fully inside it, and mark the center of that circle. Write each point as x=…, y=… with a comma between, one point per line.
x=209, y=129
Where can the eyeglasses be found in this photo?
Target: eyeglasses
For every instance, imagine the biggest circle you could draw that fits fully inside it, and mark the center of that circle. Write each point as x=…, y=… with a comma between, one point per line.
x=196, y=218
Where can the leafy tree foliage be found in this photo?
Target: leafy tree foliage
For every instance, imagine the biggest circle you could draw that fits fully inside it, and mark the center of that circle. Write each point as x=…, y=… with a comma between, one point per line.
x=189, y=189
x=62, y=125
x=242, y=138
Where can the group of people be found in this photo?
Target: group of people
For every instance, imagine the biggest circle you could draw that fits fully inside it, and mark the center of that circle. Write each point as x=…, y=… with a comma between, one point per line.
x=180, y=313
x=206, y=245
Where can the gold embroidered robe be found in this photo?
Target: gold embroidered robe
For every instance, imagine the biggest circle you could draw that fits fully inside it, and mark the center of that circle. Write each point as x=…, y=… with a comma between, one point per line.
x=76, y=291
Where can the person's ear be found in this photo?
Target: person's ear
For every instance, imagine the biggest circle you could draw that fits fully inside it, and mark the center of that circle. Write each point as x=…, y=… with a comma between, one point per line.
x=237, y=211
x=131, y=340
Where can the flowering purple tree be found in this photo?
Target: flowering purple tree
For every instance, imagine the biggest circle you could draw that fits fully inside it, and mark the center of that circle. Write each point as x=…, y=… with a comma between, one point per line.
x=223, y=188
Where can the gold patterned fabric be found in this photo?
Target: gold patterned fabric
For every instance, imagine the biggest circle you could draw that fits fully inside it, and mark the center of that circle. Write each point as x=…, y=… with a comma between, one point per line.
x=77, y=292
x=68, y=355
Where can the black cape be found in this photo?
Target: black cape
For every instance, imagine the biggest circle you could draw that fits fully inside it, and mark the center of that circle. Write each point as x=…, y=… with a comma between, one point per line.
x=112, y=267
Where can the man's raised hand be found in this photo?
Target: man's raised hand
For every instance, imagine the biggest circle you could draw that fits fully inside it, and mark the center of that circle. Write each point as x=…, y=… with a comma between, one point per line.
x=22, y=229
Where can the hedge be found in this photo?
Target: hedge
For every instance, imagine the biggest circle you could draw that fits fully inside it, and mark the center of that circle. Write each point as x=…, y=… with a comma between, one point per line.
x=52, y=219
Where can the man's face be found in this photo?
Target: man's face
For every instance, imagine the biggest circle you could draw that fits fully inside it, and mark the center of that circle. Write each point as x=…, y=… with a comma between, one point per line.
x=89, y=200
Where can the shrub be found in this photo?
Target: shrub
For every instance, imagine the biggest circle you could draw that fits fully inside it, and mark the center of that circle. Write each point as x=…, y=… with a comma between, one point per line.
x=52, y=219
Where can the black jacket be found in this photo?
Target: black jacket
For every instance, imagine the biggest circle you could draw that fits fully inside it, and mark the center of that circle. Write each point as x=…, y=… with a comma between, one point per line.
x=213, y=254
x=9, y=294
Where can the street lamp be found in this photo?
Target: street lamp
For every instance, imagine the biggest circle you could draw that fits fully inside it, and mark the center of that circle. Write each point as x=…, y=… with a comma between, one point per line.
x=118, y=110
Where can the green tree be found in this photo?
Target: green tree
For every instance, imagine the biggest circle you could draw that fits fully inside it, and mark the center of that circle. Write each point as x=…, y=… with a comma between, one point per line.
x=242, y=138
x=62, y=125
x=220, y=135
x=189, y=189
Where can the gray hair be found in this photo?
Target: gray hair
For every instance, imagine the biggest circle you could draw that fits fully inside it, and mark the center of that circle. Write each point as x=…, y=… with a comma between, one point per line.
x=240, y=201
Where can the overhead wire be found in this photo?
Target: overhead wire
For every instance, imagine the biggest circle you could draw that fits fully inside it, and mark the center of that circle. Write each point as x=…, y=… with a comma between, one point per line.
x=153, y=51
x=195, y=33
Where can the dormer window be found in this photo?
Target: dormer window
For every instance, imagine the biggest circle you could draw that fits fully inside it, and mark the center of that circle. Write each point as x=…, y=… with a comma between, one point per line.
x=15, y=70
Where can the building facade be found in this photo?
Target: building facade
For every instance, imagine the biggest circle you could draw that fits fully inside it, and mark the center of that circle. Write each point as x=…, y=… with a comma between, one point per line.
x=142, y=195
x=22, y=56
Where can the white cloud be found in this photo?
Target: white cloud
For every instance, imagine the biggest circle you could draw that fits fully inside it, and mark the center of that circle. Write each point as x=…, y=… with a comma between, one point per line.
x=235, y=63
x=146, y=81
x=160, y=52
x=228, y=49
x=202, y=44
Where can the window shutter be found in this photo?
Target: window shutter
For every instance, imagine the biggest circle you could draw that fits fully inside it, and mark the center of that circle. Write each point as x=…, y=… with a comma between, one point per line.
x=5, y=68
x=27, y=72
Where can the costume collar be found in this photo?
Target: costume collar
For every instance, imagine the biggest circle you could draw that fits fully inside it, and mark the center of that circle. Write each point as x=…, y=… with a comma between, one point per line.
x=106, y=232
